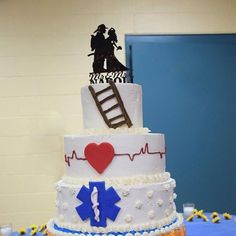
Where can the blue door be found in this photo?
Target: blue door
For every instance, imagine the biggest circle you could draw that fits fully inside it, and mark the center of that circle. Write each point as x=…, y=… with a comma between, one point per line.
x=189, y=94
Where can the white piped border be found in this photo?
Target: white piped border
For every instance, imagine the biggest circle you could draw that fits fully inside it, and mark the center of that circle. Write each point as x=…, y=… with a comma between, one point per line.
x=118, y=228
x=134, y=180
x=121, y=130
x=156, y=230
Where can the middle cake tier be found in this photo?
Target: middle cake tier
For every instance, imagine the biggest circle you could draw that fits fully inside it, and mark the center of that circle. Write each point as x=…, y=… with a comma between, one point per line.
x=114, y=155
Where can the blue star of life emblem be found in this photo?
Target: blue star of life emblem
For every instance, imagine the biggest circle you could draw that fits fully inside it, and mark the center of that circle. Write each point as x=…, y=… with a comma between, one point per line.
x=98, y=204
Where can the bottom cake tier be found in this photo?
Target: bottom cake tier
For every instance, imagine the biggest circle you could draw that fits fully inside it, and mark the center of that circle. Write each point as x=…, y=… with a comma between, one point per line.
x=142, y=206
x=176, y=228
x=139, y=205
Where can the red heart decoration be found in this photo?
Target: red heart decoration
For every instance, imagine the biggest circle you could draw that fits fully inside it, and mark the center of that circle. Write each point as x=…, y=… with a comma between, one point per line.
x=99, y=156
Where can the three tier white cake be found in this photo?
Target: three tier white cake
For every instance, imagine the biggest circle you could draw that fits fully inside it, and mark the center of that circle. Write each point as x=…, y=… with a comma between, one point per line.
x=115, y=181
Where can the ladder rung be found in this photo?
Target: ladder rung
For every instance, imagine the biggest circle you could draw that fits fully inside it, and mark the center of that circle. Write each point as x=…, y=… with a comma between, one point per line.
x=118, y=124
x=102, y=91
x=116, y=117
x=111, y=108
x=107, y=99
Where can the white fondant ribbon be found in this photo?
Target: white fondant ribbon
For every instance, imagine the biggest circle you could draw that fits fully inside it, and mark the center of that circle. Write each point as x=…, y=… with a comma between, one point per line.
x=94, y=199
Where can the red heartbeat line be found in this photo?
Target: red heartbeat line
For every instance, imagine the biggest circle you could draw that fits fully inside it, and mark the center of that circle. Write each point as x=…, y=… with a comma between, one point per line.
x=73, y=156
x=143, y=150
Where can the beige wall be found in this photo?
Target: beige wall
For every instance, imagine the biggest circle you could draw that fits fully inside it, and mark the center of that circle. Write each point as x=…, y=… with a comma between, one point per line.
x=43, y=64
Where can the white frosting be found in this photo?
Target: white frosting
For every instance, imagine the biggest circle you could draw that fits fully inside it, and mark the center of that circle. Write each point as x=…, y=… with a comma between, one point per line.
x=120, y=228
x=160, y=202
x=133, y=180
x=140, y=154
x=136, y=202
x=150, y=193
x=159, y=227
x=119, y=130
x=131, y=95
x=151, y=214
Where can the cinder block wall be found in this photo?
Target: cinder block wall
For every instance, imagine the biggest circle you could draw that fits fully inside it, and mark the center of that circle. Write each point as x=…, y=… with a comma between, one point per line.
x=43, y=64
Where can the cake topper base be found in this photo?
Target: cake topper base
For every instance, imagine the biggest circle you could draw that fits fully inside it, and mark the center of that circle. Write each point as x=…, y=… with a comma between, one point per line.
x=105, y=77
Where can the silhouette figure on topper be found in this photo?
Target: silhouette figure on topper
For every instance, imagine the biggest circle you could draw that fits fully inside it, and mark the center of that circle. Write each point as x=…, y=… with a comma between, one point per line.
x=104, y=51
x=112, y=62
x=98, y=46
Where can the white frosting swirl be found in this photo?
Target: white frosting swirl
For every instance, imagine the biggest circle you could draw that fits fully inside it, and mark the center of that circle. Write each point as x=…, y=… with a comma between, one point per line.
x=88, y=230
x=134, y=180
x=121, y=130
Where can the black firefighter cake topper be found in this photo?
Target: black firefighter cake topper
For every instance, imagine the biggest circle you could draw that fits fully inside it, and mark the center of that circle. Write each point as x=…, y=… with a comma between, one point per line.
x=105, y=64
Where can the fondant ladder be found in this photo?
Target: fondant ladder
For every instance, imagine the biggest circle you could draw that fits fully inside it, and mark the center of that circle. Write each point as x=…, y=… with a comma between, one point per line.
x=118, y=104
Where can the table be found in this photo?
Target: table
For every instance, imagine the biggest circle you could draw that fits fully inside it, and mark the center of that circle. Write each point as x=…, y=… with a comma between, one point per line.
x=200, y=228
x=197, y=227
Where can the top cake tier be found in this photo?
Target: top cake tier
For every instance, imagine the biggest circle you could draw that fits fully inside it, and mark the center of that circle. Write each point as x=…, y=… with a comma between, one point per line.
x=112, y=106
